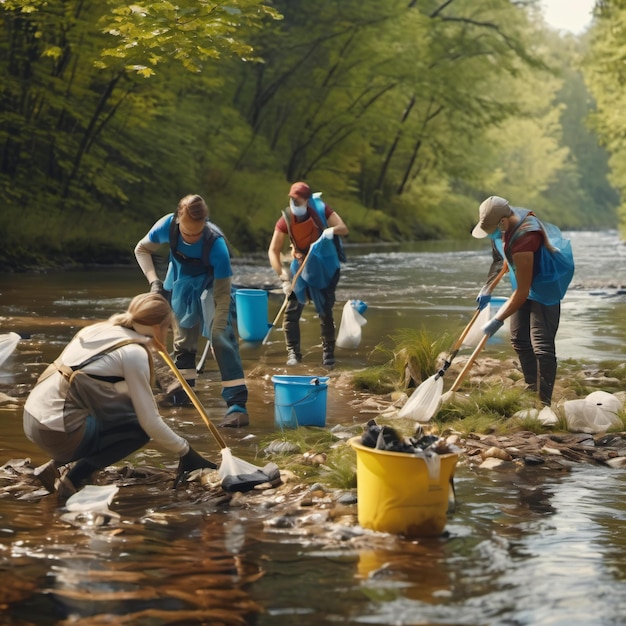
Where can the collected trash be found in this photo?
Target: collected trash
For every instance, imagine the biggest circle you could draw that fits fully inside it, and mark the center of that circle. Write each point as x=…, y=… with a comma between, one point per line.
x=404, y=485
x=8, y=343
x=386, y=438
x=92, y=498
x=597, y=412
x=349, y=335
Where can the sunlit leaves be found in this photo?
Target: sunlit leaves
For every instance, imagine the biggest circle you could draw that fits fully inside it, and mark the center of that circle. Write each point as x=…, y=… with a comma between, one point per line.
x=190, y=32
x=605, y=71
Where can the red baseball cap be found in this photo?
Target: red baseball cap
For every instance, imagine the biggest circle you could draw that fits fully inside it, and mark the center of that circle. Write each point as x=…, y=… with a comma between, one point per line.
x=302, y=190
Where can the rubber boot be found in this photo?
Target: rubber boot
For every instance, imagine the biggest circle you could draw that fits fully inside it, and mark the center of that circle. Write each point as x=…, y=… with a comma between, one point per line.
x=291, y=326
x=328, y=354
x=236, y=415
x=178, y=396
x=186, y=365
x=327, y=325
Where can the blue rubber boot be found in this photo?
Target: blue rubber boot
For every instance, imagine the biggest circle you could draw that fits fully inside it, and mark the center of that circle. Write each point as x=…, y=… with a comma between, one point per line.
x=236, y=417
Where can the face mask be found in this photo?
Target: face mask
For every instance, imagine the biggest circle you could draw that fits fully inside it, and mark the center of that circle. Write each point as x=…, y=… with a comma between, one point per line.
x=298, y=211
x=495, y=235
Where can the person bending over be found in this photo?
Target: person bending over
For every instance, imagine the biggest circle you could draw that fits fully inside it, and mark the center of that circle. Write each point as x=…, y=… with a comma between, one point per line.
x=94, y=405
x=198, y=283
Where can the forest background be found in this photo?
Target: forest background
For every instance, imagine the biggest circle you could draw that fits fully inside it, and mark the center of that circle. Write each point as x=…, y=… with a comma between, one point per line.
x=404, y=113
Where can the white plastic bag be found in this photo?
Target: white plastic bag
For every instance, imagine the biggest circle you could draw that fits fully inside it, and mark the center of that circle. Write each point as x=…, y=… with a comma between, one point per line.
x=349, y=335
x=475, y=334
x=8, y=343
x=424, y=401
x=594, y=414
x=92, y=498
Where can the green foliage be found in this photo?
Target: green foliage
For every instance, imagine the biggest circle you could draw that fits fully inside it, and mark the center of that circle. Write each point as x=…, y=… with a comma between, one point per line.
x=338, y=470
x=503, y=401
x=415, y=355
x=404, y=115
x=533, y=425
x=485, y=411
x=381, y=379
x=615, y=369
x=188, y=32
x=605, y=75
x=416, y=351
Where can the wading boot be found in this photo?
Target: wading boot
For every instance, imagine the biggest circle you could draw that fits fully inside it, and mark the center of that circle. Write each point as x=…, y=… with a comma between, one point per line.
x=236, y=417
x=293, y=357
x=292, y=339
x=328, y=354
x=327, y=325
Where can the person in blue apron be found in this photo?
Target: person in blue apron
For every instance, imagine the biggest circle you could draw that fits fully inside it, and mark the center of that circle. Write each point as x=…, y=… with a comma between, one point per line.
x=198, y=284
x=540, y=273
x=305, y=222
x=94, y=405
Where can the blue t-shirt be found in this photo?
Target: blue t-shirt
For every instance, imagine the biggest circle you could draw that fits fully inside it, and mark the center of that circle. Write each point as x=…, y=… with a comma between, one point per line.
x=219, y=258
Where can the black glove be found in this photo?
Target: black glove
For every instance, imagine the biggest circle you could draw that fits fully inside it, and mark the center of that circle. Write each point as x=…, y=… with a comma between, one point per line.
x=190, y=462
x=156, y=286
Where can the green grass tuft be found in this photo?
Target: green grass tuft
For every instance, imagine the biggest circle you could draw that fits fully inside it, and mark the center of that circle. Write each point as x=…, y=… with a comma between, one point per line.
x=380, y=380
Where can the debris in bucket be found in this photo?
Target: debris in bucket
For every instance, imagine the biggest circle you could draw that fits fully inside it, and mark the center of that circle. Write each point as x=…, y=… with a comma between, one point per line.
x=386, y=438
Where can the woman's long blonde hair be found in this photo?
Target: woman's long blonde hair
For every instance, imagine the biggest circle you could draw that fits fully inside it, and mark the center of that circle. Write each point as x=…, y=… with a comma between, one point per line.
x=149, y=309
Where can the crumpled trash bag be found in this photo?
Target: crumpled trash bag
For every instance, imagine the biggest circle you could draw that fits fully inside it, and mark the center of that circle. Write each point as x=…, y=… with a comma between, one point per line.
x=8, y=343
x=595, y=413
x=349, y=335
x=386, y=438
x=247, y=482
x=92, y=498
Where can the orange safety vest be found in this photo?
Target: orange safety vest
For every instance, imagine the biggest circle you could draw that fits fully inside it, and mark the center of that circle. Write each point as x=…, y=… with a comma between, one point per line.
x=303, y=234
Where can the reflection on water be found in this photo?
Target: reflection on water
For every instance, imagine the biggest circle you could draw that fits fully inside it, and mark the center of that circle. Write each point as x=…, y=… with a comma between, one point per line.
x=523, y=547
x=431, y=285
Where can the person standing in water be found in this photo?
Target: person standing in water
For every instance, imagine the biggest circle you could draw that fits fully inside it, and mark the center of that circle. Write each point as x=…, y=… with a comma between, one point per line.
x=198, y=283
x=303, y=223
x=534, y=307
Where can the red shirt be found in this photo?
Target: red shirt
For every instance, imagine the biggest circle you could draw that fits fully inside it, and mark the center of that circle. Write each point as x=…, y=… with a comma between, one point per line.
x=528, y=242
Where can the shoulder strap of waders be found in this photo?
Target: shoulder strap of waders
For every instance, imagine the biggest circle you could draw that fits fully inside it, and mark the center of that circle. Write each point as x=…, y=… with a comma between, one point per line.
x=210, y=234
x=69, y=371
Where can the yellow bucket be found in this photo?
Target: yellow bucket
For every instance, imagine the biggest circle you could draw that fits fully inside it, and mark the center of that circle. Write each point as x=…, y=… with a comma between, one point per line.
x=399, y=493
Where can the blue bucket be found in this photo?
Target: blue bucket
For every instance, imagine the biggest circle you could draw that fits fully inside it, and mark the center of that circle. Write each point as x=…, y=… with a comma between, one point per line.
x=300, y=401
x=251, y=305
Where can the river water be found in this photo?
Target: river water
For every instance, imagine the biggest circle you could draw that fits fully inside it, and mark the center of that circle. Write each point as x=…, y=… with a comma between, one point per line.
x=523, y=547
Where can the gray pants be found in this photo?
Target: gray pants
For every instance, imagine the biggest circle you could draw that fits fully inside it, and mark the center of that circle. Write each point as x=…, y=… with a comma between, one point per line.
x=533, y=331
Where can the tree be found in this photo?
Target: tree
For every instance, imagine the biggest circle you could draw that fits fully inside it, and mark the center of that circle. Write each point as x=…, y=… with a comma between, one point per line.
x=76, y=98
x=605, y=73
